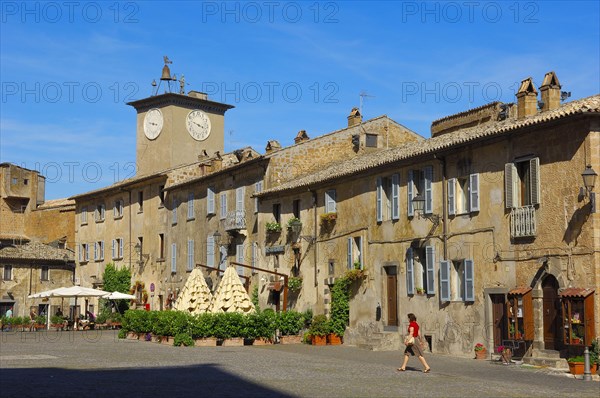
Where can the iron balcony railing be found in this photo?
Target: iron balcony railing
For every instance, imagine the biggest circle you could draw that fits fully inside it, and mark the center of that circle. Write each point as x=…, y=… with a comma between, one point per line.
x=523, y=222
x=235, y=220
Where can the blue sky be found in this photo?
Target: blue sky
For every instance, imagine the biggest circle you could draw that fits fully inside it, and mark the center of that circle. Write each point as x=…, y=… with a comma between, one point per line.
x=67, y=69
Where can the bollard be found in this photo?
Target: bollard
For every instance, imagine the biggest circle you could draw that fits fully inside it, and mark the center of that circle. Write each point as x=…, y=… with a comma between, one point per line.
x=587, y=375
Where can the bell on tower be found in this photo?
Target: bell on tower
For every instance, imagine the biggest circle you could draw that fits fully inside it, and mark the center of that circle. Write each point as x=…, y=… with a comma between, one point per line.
x=165, y=76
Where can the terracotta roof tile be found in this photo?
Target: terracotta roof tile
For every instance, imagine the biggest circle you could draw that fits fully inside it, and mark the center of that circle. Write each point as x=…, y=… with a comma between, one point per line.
x=35, y=251
x=576, y=292
x=520, y=290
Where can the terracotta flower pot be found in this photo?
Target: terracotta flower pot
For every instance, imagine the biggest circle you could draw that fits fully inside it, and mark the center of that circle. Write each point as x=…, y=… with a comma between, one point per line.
x=481, y=354
x=577, y=368
x=334, y=339
x=319, y=340
x=206, y=342
x=290, y=339
x=233, y=342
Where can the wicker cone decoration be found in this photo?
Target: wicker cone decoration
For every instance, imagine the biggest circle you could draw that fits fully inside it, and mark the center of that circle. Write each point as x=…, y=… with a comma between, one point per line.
x=230, y=295
x=195, y=297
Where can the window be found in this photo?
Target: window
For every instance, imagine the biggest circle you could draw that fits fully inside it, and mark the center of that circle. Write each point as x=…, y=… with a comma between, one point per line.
x=15, y=180
x=100, y=212
x=99, y=251
x=83, y=215
x=296, y=208
x=239, y=257
x=388, y=200
x=210, y=200
x=355, y=253
x=330, y=204
x=173, y=258
x=239, y=198
x=223, y=209
x=522, y=183
x=463, y=194
x=85, y=252
x=44, y=274
x=419, y=183
x=8, y=272
x=161, y=195
x=140, y=201
x=277, y=212
x=161, y=246
x=371, y=140
x=190, y=206
x=210, y=251
x=118, y=209
x=258, y=187
x=420, y=270
x=117, y=248
x=190, y=255
x=174, y=211
x=25, y=181
x=457, y=280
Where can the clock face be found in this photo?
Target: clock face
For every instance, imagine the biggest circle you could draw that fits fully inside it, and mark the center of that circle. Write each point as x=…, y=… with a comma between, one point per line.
x=198, y=125
x=153, y=123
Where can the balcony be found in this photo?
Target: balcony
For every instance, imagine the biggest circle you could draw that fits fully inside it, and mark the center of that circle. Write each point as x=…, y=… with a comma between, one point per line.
x=235, y=220
x=523, y=222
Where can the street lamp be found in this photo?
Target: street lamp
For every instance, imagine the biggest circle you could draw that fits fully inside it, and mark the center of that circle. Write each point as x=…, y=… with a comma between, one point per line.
x=589, y=181
x=217, y=238
x=418, y=203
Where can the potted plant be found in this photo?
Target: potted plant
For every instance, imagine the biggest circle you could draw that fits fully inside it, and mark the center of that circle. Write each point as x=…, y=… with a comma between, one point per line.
x=273, y=227
x=480, y=351
x=294, y=223
x=420, y=290
x=319, y=329
x=289, y=324
x=505, y=354
x=576, y=365
x=57, y=321
x=595, y=353
x=40, y=322
x=295, y=283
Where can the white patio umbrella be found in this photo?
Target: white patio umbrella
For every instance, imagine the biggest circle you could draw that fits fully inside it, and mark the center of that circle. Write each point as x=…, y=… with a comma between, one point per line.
x=231, y=295
x=119, y=296
x=73, y=291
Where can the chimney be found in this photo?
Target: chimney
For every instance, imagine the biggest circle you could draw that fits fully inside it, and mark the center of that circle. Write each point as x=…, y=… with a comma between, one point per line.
x=354, y=118
x=217, y=162
x=550, y=90
x=301, y=137
x=526, y=99
x=272, y=146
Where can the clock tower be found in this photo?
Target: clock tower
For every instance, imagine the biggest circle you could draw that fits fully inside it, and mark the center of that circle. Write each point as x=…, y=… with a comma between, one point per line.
x=173, y=129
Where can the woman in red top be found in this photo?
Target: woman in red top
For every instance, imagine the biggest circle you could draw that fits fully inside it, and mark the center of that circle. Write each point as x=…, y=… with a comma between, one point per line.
x=414, y=349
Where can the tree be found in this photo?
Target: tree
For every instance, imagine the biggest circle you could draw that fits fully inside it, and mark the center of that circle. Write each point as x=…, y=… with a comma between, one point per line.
x=117, y=280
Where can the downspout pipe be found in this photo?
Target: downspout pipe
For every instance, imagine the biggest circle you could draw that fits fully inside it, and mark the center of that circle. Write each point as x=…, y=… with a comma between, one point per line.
x=442, y=160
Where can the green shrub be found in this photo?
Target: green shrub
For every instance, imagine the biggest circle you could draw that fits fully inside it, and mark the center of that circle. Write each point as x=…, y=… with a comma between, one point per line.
x=139, y=321
x=578, y=358
x=340, y=306
x=229, y=325
x=308, y=316
x=40, y=320
x=56, y=319
x=595, y=352
x=202, y=326
x=290, y=323
x=122, y=334
x=183, y=339
x=319, y=326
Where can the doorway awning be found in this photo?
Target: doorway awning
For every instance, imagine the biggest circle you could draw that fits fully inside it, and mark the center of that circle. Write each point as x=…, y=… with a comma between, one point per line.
x=576, y=292
x=520, y=291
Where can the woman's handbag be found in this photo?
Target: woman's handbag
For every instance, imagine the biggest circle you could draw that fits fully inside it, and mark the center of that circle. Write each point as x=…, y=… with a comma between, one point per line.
x=423, y=344
x=409, y=340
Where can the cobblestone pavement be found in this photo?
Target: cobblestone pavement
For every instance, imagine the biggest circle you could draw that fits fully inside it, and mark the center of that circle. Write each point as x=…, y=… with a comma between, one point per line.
x=94, y=363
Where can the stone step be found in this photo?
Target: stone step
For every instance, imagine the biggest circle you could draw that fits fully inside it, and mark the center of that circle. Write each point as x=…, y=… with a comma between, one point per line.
x=556, y=363
x=545, y=354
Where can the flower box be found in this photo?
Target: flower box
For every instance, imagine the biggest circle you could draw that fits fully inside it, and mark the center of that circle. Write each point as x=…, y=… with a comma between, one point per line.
x=577, y=368
x=233, y=342
x=261, y=341
x=206, y=342
x=290, y=340
x=319, y=340
x=334, y=339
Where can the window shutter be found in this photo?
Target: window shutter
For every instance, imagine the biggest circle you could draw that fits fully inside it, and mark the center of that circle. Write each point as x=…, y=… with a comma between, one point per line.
x=330, y=204
x=451, y=196
x=173, y=257
x=469, y=285
x=379, y=197
x=101, y=250
x=410, y=187
x=120, y=247
x=210, y=251
x=210, y=201
x=410, y=274
x=190, y=205
x=174, y=211
x=360, y=253
x=350, y=265
x=509, y=185
x=114, y=248
x=474, y=192
x=239, y=199
x=257, y=188
x=395, y=196
x=79, y=252
x=430, y=259
x=428, y=190
x=190, y=255
x=239, y=253
x=445, y=280
x=95, y=250
x=534, y=169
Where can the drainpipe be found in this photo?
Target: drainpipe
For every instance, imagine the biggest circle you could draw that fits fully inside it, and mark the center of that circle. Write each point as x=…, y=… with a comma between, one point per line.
x=444, y=205
x=314, y=197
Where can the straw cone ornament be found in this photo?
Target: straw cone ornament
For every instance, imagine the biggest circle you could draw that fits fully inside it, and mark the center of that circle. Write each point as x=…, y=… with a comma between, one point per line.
x=231, y=295
x=195, y=297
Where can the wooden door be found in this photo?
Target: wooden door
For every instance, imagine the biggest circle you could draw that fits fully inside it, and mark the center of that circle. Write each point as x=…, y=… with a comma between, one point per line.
x=551, y=313
x=499, y=318
x=392, y=299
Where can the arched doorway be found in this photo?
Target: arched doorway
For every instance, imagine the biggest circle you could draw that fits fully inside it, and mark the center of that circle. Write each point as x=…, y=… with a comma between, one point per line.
x=551, y=307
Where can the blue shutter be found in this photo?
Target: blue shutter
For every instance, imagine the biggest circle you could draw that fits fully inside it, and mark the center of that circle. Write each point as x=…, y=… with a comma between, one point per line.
x=210, y=251
x=395, y=196
x=101, y=250
x=430, y=260
x=534, y=180
x=469, y=279
x=410, y=272
x=120, y=247
x=445, y=280
x=239, y=199
x=114, y=248
x=360, y=253
x=223, y=209
x=452, y=196
x=330, y=204
x=210, y=201
x=410, y=189
x=239, y=252
x=379, y=198
x=190, y=255
x=173, y=257
x=474, y=192
x=510, y=177
x=428, y=189
x=350, y=265
x=257, y=188
x=96, y=251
